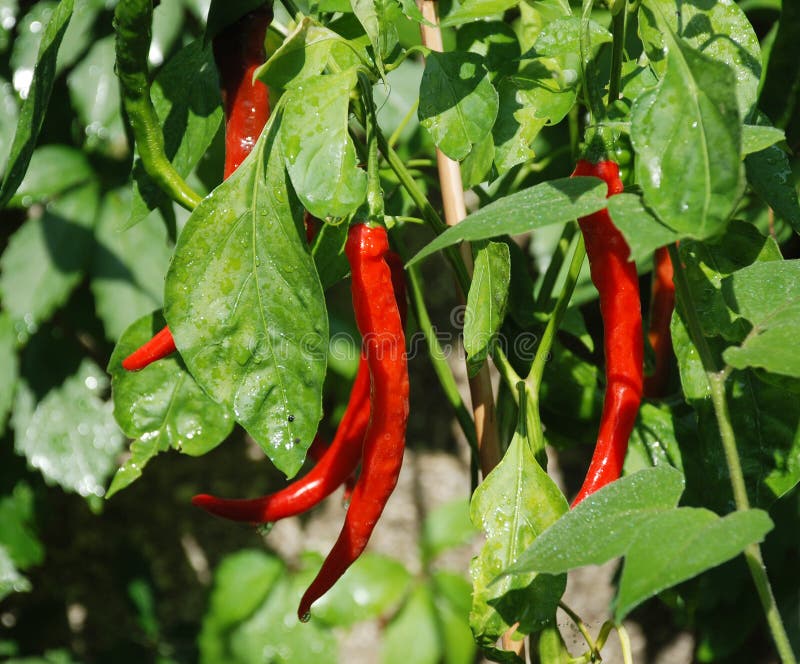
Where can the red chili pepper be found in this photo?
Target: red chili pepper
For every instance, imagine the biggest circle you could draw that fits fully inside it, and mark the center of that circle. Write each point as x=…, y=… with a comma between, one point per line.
x=336, y=464
x=161, y=345
x=662, y=304
x=378, y=319
x=616, y=280
x=238, y=52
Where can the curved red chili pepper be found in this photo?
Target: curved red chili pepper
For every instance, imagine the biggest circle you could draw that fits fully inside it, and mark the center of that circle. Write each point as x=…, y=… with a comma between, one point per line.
x=335, y=465
x=238, y=52
x=378, y=320
x=617, y=283
x=662, y=304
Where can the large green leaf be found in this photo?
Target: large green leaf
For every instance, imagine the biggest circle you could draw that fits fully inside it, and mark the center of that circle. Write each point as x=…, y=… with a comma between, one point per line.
x=637, y=517
x=720, y=30
x=471, y=10
x=246, y=308
x=767, y=295
x=486, y=302
x=128, y=267
x=161, y=406
x=70, y=436
x=45, y=259
x=320, y=154
x=545, y=204
x=53, y=170
x=11, y=581
x=458, y=104
x=515, y=503
x=187, y=101
x=35, y=104
x=687, y=139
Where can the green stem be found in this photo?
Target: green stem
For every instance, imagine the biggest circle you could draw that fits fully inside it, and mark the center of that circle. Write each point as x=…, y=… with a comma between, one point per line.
x=534, y=379
x=428, y=213
x=580, y=625
x=716, y=379
x=374, y=192
x=440, y=366
x=625, y=644
x=506, y=371
x=399, y=130
x=551, y=274
x=617, y=47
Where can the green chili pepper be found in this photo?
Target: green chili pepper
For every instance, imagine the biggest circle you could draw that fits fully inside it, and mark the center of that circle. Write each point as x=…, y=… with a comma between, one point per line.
x=133, y=24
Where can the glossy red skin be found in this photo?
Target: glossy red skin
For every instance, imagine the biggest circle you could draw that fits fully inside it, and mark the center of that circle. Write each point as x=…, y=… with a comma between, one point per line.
x=161, y=345
x=238, y=51
x=615, y=278
x=378, y=319
x=335, y=464
x=662, y=304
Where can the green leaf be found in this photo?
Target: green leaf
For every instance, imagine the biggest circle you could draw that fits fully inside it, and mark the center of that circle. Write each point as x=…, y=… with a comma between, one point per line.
x=246, y=307
x=553, y=202
x=413, y=635
x=379, y=20
x=654, y=441
x=17, y=534
x=458, y=104
x=161, y=406
x=471, y=10
x=720, y=30
x=9, y=367
x=486, y=302
x=241, y=583
x=767, y=295
x=70, y=436
x=187, y=101
x=770, y=175
x=368, y=589
x=604, y=525
x=320, y=155
x=515, y=503
x=46, y=258
x=680, y=544
x=273, y=632
x=687, y=140
x=495, y=41
x=11, y=581
x=452, y=595
x=94, y=92
x=708, y=264
x=756, y=138
x=304, y=54
x=53, y=170
x=35, y=103
x=446, y=527
x=765, y=417
x=8, y=119
x=128, y=267
x=642, y=231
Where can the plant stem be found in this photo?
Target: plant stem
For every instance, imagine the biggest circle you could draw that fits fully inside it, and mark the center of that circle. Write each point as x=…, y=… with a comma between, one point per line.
x=625, y=644
x=617, y=48
x=716, y=380
x=534, y=379
x=437, y=356
x=399, y=130
x=580, y=625
x=551, y=274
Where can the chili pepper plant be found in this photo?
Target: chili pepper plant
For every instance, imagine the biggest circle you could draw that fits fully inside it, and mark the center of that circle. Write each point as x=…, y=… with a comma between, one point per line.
x=265, y=265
